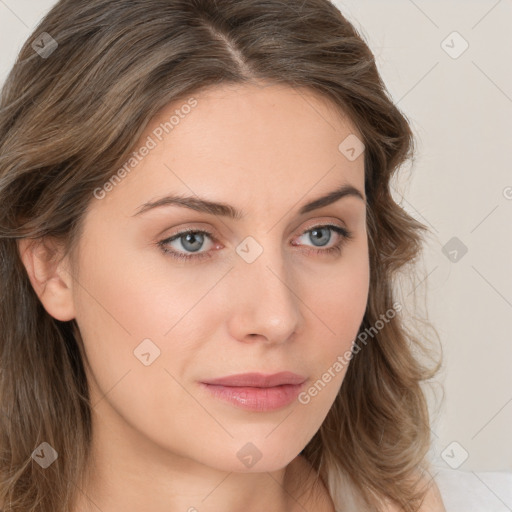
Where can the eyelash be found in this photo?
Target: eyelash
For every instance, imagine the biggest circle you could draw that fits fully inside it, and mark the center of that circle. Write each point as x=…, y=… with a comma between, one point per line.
x=336, y=249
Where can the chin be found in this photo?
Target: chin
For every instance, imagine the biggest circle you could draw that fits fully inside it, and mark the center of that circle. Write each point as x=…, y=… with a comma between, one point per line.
x=249, y=457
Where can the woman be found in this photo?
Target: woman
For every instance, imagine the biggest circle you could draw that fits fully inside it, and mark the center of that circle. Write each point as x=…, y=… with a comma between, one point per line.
x=198, y=248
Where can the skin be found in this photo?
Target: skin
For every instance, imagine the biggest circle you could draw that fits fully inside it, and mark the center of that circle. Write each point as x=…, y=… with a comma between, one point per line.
x=160, y=442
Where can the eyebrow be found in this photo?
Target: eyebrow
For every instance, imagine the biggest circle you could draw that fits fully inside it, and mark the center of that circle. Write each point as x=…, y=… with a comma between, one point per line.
x=226, y=210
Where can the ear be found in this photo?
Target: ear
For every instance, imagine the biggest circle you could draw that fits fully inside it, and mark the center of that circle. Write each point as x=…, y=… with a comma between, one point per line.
x=49, y=274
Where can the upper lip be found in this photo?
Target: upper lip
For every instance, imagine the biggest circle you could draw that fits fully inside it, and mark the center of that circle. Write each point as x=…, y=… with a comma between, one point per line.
x=258, y=380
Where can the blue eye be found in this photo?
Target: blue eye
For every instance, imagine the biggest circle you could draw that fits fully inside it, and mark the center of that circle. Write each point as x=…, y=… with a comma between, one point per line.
x=194, y=239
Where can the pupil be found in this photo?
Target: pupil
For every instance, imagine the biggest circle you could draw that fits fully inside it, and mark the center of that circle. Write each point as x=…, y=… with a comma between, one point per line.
x=317, y=234
x=191, y=237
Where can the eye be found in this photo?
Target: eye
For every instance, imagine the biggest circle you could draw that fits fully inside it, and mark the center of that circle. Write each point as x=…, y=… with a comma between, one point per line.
x=190, y=240
x=193, y=239
x=322, y=234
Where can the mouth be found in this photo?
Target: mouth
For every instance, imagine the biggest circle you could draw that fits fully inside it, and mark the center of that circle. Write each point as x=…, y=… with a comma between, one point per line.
x=256, y=391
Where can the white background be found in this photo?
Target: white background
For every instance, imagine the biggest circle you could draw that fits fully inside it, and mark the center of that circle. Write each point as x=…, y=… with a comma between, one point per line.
x=461, y=112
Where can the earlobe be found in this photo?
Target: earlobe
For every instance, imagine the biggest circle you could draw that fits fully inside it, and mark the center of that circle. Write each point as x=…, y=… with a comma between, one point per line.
x=49, y=276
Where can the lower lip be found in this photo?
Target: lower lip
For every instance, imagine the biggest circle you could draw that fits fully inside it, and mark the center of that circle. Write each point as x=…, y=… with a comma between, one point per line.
x=256, y=399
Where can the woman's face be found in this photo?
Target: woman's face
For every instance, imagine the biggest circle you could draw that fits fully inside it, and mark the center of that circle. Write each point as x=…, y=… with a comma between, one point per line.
x=261, y=293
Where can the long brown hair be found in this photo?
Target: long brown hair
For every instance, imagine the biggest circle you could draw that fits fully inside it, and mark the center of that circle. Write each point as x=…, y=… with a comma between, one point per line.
x=70, y=117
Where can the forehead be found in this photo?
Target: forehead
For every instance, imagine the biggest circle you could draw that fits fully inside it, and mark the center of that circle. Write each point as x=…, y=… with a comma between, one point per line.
x=254, y=113
x=247, y=142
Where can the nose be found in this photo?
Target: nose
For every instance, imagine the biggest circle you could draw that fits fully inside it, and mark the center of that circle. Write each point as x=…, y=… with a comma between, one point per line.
x=265, y=306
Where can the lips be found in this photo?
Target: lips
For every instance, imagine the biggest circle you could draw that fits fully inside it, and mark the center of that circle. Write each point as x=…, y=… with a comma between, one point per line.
x=258, y=380
x=256, y=392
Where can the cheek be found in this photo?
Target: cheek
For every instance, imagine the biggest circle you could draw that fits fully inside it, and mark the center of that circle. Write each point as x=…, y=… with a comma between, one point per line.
x=132, y=293
x=133, y=309
x=124, y=309
x=340, y=296
x=121, y=304
x=338, y=301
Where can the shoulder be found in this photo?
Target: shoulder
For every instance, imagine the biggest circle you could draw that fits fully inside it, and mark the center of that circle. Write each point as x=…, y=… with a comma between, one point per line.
x=432, y=502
